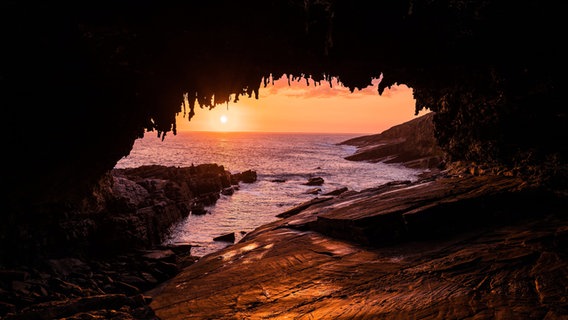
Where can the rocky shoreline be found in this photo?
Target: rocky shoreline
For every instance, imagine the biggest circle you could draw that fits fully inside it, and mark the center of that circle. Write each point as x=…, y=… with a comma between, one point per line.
x=454, y=244
x=113, y=251
x=464, y=241
x=451, y=246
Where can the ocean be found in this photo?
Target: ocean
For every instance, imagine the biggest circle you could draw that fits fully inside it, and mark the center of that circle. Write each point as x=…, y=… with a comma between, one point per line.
x=283, y=162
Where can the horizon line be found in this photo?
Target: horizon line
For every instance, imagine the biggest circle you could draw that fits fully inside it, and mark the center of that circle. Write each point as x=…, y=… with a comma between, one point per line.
x=282, y=132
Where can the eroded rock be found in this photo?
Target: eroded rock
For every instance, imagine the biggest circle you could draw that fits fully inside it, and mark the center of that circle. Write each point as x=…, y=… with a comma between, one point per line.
x=359, y=255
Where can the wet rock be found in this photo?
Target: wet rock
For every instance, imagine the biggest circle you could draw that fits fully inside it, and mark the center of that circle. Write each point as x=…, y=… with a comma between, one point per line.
x=199, y=209
x=228, y=191
x=248, y=176
x=229, y=237
x=180, y=249
x=315, y=181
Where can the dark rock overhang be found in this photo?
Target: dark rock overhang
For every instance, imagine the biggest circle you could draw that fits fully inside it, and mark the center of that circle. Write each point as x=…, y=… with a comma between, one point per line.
x=80, y=82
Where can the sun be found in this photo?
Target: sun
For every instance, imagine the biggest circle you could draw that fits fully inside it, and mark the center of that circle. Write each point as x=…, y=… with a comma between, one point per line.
x=223, y=119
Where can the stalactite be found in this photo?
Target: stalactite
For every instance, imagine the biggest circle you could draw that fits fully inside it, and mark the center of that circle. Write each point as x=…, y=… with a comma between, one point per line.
x=266, y=80
x=191, y=101
x=385, y=84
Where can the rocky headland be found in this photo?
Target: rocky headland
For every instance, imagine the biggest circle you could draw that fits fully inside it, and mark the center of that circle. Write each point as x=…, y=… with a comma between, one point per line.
x=412, y=144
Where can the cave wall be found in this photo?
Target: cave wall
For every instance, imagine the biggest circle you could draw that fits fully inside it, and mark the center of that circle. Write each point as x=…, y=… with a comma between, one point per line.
x=80, y=82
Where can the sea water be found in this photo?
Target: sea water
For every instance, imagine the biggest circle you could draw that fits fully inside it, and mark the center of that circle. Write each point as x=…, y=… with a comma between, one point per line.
x=283, y=162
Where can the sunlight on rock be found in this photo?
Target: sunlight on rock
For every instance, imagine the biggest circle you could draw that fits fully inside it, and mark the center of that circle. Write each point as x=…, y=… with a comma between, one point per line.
x=337, y=249
x=253, y=257
x=249, y=247
x=228, y=255
x=422, y=185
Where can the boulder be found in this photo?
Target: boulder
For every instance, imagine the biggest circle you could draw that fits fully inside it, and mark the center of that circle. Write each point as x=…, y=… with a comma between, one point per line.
x=248, y=176
x=229, y=237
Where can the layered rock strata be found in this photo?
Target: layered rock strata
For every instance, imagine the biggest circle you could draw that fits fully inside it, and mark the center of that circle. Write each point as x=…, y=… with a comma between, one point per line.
x=448, y=247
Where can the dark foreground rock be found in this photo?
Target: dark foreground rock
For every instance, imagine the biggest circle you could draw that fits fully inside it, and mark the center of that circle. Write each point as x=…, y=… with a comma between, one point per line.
x=447, y=247
x=412, y=144
x=129, y=209
x=113, y=287
x=96, y=259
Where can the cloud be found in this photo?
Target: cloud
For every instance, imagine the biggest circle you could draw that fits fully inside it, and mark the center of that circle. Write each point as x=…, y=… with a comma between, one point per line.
x=309, y=89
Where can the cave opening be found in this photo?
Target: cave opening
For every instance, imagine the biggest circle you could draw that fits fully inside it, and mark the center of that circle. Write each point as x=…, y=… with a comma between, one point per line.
x=80, y=83
x=301, y=105
x=291, y=130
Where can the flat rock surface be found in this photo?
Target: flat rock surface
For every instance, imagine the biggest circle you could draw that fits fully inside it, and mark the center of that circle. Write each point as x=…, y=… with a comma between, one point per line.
x=503, y=258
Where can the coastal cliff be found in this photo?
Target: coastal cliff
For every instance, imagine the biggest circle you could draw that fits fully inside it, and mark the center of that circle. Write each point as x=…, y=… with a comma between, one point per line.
x=412, y=144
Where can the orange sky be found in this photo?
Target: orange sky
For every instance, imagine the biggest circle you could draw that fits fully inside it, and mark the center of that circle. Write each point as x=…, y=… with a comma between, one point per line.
x=303, y=108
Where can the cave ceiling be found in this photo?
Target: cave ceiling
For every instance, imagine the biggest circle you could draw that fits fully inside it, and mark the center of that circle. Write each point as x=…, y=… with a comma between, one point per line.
x=81, y=81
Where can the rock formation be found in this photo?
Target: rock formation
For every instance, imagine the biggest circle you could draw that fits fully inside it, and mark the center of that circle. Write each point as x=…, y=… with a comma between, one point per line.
x=116, y=254
x=81, y=81
x=453, y=247
x=133, y=208
x=463, y=242
x=411, y=143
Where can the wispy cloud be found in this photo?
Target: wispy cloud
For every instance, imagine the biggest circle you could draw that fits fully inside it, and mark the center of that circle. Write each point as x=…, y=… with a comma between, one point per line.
x=309, y=89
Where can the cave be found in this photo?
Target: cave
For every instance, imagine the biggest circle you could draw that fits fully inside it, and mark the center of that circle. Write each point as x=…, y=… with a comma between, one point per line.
x=81, y=81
